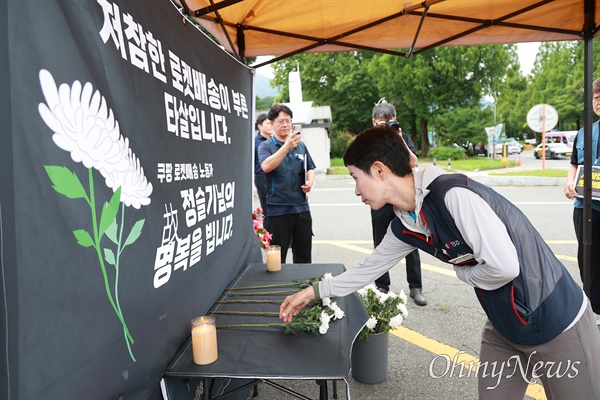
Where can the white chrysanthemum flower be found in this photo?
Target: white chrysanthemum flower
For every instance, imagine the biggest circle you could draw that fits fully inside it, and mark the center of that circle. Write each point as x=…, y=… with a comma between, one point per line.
x=396, y=321
x=403, y=296
x=372, y=323
x=382, y=297
x=326, y=275
x=392, y=295
x=325, y=317
x=403, y=310
x=324, y=328
x=326, y=301
x=85, y=127
x=338, y=313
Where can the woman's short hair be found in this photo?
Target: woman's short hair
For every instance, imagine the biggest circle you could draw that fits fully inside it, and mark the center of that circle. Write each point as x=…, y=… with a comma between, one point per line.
x=380, y=143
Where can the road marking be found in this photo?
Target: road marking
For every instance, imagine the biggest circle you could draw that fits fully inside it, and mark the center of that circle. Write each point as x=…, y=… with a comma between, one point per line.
x=534, y=390
x=350, y=245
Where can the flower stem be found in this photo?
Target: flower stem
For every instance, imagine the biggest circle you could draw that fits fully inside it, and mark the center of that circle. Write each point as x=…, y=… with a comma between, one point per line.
x=265, y=313
x=262, y=286
x=118, y=257
x=278, y=292
x=232, y=326
x=248, y=301
x=92, y=204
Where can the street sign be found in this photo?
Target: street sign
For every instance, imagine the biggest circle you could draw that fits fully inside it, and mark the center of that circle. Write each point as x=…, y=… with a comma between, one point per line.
x=540, y=113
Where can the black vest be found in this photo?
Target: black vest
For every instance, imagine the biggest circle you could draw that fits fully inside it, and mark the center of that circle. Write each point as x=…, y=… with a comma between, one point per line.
x=538, y=304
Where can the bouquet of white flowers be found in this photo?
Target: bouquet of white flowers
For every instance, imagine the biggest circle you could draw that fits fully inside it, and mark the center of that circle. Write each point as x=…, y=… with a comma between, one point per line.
x=386, y=311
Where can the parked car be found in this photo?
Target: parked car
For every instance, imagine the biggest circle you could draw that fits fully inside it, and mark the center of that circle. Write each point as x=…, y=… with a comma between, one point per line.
x=553, y=150
x=513, y=147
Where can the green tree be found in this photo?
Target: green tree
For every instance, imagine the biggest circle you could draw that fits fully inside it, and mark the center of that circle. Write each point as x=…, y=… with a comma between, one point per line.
x=464, y=125
x=339, y=80
x=439, y=81
x=510, y=97
x=554, y=82
x=264, y=103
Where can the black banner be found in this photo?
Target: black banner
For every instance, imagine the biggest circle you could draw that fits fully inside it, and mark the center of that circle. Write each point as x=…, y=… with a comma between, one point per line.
x=126, y=164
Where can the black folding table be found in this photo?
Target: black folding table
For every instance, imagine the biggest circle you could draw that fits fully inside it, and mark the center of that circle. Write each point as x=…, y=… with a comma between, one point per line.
x=267, y=354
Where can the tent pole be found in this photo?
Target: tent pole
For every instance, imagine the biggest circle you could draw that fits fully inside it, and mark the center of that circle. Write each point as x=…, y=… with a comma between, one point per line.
x=588, y=79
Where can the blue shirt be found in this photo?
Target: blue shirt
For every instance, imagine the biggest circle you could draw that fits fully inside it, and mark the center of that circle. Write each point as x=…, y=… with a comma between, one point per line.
x=578, y=156
x=258, y=139
x=284, y=192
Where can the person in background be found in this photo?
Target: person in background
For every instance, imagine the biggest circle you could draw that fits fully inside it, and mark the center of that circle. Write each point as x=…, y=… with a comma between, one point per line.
x=263, y=124
x=571, y=193
x=385, y=114
x=290, y=173
x=539, y=320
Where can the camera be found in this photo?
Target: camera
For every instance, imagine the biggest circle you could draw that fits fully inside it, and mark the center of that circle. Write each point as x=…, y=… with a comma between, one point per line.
x=393, y=124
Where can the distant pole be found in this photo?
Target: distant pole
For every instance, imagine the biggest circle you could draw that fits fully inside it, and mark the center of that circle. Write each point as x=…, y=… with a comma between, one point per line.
x=544, y=136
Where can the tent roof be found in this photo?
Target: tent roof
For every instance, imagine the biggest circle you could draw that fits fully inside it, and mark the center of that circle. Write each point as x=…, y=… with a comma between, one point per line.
x=285, y=27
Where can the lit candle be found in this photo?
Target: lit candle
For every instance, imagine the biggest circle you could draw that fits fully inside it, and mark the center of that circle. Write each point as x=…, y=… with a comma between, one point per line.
x=274, y=258
x=204, y=340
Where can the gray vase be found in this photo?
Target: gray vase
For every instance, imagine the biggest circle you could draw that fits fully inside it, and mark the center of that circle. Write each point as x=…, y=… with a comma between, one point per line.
x=370, y=359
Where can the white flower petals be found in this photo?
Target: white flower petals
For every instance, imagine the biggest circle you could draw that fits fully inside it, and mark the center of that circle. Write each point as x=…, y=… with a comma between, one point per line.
x=372, y=323
x=387, y=310
x=84, y=126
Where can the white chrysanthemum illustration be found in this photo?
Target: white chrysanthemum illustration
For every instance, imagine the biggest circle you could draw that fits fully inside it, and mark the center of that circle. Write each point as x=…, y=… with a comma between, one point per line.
x=85, y=126
x=135, y=188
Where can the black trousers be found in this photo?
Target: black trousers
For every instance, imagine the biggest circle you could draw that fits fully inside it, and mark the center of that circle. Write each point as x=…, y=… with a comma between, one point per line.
x=260, y=181
x=380, y=220
x=293, y=230
x=594, y=294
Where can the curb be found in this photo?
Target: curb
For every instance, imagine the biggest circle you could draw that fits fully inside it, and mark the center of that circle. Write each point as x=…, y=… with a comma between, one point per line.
x=481, y=178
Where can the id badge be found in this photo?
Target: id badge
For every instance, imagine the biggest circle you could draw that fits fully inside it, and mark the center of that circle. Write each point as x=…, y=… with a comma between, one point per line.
x=462, y=258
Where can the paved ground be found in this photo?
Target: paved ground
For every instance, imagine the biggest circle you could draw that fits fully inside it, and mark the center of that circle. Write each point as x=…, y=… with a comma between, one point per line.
x=451, y=323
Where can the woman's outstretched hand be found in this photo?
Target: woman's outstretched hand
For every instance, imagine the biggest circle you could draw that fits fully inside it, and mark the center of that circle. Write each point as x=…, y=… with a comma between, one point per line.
x=294, y=303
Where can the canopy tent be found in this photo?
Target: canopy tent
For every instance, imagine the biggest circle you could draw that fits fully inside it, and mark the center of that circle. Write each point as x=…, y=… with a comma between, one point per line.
x=249, y=28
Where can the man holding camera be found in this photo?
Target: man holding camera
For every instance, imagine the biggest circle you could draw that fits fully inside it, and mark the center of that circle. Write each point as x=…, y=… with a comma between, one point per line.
x=385, y=114
x=290, y=174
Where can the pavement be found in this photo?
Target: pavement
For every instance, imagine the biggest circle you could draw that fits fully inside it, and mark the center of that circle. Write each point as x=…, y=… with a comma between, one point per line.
x=412, y=353
x=488, y=178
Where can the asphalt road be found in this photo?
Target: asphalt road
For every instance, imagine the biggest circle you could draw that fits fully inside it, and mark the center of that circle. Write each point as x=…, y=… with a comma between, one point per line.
x=451, y=323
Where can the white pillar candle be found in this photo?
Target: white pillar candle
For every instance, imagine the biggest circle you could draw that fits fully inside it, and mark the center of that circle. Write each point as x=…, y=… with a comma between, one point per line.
x=204, y=340
x=274, y=258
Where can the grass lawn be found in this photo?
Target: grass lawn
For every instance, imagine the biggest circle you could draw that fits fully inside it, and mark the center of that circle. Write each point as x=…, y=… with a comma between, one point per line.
x=548, y=173
x=471, y=164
